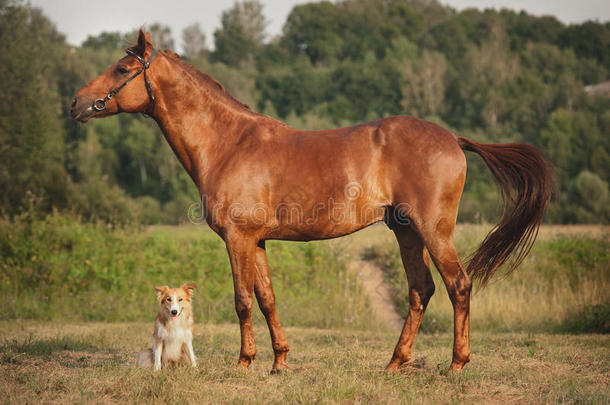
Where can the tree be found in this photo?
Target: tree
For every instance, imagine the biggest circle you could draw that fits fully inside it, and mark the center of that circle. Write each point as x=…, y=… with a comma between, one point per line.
x=242, y=32
x=31, y=136
x=523, y=28
x=161, y=36
x=450, y=37
x=424, y=84
x=483, y=72
x=588, y=40
x=590, y=196
x=193, y=41
x=313, y=29
x=105, y=40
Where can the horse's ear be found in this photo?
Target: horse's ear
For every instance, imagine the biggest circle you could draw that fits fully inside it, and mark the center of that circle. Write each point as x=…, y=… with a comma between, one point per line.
x=145, y=46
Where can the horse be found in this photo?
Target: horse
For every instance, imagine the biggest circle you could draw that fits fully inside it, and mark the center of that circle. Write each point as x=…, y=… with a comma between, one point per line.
x=260, y=179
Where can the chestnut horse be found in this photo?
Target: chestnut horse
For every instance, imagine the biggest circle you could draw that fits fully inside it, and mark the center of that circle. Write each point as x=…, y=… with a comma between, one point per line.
x=260, y=179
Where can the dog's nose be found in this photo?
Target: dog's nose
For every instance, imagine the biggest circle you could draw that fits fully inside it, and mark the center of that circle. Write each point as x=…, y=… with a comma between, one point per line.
x=174, y=311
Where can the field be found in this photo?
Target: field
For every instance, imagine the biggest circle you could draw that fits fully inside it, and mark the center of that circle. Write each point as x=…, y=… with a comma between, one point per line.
x=77, y=305
x=47, y=362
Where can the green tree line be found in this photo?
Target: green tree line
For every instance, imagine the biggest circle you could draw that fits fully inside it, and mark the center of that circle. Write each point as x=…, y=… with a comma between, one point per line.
x=493, y=76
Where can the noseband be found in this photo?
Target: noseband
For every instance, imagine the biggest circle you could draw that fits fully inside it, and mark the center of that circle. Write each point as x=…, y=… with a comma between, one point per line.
x=100, y=103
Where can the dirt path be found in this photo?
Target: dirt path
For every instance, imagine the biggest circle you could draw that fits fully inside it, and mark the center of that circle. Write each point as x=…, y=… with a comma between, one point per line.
x=371, y=279
x=370, y=276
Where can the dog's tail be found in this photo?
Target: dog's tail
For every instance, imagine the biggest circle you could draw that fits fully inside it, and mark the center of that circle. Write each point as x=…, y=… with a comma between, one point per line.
x=145, y=359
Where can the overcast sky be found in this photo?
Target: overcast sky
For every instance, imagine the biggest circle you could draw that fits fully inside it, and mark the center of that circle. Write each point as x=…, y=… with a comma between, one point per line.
x=79, y=18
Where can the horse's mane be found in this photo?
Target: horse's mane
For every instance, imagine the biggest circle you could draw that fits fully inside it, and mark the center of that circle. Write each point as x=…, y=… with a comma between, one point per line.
x=207, y=80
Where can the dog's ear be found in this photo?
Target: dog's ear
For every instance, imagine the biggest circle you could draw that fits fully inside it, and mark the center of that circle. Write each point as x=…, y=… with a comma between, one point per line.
x=188, y=289
x=160, y=291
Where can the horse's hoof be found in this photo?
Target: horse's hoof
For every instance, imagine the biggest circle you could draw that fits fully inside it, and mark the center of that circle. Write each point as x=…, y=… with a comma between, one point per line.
x=243, y=365
x=280, y=370
x=394, y=366
x=455, y=368
x=457, y=365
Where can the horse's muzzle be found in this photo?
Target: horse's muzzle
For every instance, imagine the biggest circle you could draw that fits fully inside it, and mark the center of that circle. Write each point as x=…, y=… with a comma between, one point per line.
x=81, y=111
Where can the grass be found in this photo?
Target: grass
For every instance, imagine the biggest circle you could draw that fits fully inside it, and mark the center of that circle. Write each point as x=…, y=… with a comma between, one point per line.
x=562, y=286
x=93, y=362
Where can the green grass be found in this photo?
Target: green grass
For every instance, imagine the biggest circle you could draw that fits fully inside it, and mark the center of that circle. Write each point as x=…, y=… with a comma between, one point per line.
x=93, y=362
x=60, y=268
x=562, y=286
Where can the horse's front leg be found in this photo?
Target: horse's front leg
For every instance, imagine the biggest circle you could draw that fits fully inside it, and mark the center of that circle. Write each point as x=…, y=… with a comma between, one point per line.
x=242, y=253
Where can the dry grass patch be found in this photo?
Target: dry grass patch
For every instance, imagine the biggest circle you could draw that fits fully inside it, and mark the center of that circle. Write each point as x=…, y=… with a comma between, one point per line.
x=94, y=363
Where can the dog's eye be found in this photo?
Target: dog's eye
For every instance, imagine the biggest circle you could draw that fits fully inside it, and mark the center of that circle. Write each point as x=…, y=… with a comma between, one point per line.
x=180, y=299
x=169, y=299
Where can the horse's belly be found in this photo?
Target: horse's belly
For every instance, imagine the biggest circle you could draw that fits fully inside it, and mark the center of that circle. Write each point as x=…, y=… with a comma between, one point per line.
x=326, y=224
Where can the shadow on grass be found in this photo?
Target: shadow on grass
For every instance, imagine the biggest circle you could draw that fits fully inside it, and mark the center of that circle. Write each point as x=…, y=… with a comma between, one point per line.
x=76, y=351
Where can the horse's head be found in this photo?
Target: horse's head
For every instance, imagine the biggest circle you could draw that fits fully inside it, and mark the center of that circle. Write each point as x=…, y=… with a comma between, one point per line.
x=120, y=88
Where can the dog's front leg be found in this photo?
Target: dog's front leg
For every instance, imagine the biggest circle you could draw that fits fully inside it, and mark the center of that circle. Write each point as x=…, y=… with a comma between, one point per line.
x=157, y=349
x=191, y=353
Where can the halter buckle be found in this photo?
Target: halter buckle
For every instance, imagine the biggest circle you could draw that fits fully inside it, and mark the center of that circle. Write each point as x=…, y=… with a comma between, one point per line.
x=99, y=104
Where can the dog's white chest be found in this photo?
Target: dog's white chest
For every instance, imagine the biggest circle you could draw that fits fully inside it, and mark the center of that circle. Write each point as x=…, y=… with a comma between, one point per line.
x=174, y=336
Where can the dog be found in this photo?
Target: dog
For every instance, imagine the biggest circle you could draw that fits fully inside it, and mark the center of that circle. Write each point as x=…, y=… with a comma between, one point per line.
x=172, y=340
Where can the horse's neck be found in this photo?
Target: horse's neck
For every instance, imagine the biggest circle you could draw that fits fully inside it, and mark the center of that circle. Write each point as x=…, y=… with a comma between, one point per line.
x=198, y=126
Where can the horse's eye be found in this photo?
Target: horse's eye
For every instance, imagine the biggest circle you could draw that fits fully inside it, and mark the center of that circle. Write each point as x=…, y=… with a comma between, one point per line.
x=122, y=70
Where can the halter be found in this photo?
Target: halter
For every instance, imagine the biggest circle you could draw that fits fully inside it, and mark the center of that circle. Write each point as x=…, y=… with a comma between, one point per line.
x=100, y=103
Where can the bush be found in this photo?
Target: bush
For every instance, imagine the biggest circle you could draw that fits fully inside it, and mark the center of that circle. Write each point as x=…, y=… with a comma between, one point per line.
x=589, y=319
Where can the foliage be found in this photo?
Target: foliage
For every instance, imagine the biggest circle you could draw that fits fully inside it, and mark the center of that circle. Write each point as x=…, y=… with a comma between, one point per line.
x=31, y=137
x=193, y=41
x=241, y=33
x=161, y=36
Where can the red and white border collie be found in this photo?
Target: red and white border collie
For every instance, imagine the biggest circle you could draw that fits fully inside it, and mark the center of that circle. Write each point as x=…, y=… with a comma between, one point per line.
x=172, y=339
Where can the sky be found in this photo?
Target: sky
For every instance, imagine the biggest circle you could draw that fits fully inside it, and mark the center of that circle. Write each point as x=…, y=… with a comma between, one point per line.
x=78, y=19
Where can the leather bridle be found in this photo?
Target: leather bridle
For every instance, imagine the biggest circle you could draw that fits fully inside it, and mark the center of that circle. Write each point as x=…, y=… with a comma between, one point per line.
x=100, y=103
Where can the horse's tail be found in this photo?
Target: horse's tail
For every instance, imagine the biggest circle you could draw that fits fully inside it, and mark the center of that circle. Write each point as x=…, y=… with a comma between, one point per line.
x=524, y=176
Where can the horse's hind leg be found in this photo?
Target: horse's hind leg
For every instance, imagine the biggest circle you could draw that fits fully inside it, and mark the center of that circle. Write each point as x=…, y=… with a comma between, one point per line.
x=266, y=301
x=421, y=288
x=438, y=236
